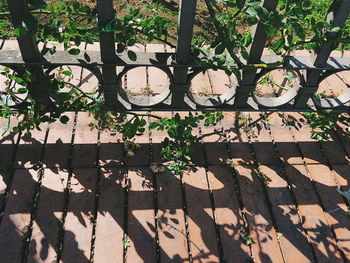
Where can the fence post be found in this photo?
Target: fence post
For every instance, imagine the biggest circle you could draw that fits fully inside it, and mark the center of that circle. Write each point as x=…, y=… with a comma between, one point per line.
x=109, y=86
x=337, y=15
x=26, y=42
x=255, y=50
x=183, y=52
x=38, y=89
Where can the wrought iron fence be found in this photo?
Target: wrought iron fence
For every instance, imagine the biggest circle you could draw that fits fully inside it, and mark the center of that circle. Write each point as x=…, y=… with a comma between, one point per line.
x=181, y=67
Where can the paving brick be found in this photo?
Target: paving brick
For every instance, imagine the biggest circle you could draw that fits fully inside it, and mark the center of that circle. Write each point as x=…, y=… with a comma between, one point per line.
x=58, y=145
x=136, y=78
x=89, y=82
x=333, y=204
x=308, y=146
x=341, y=172
x=334, y=152
x=314, y=219
x=110, y=217
x=43, y=246
x=265, y=246
x=227, y=214
x=111, y=149
x=220, y=81
x=344, y=76
x=284, y=140
x=10, y=44
x=215, y=145
x=200, y=85
x=240, y=153
x=238, y=143
x=262, y=142
x=30, y=148
x=158, y=81
x=293, y=241
x=344, y=140
x=200, y=217
x=141, y=223
x=78, y=224
x=142, y=154
x=198, y=155
x=85, y=148
x=158, y=137
x=336, y=85
x=8, y=143
x=5, y=176
x=171, y=220
x=16, y=217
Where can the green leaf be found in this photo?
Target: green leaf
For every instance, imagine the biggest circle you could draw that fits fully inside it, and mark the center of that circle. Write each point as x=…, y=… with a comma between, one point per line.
x=277, y=45
x=120, y=48
x=172, y=132
x=247, y=40
x=126, y=243
x=64, y=119
x=270, y=30
x=220, y=49
x=22, y=90
x=132, y=55
x=240, y=4
x=248, y=240
x=67, y=73
x=335, y=29
x=153, y=125
x=251, y=11
x=20, y=31
x=19, y=80
x=74, y=51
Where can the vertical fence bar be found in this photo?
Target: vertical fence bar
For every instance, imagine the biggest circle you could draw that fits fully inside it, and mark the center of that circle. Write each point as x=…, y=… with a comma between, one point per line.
x=109, y=86
x=255, y=51
x=183, y=51
x=26, y=42
x=337, y=15
x=37, y=89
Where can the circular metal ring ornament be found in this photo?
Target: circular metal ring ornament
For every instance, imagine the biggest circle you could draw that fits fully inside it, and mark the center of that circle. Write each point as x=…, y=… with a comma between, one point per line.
x=330, y=103
x=213, y=100
x=274, y=102
x=142, y=100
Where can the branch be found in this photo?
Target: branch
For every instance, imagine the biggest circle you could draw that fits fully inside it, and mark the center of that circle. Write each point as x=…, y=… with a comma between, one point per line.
x=221, y=33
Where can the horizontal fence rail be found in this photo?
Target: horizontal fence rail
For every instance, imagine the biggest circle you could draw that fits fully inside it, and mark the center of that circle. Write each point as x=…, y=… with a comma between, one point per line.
x=181, y=68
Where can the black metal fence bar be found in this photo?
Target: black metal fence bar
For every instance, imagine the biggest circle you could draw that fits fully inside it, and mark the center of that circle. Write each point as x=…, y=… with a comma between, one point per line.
x=104, y=65
x=337, y=15
x=183, y=52
x=27, y=42
x=108, y=52
x=255, y=50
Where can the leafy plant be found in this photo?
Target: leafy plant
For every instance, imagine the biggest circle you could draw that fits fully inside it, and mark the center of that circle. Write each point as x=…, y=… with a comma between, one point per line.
x=322, y=124
x=44, y=96
x=126, y=243
x=262, y=176
x=178, y=148
x=245, y=237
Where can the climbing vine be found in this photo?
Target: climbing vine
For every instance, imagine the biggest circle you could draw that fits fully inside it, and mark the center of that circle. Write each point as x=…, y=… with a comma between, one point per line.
x=295, y=24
